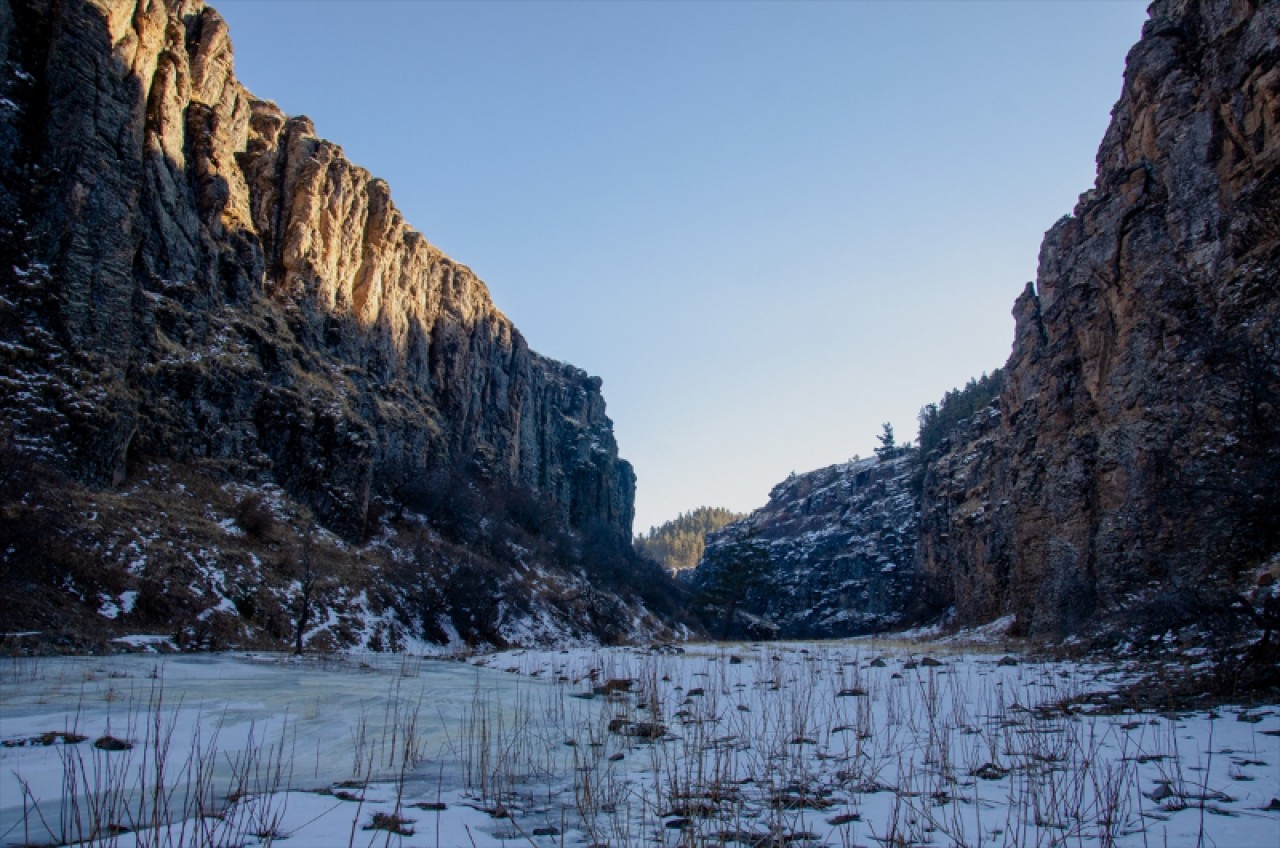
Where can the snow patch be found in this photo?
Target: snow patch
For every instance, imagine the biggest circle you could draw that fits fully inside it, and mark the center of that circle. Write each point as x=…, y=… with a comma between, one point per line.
x=146, y=640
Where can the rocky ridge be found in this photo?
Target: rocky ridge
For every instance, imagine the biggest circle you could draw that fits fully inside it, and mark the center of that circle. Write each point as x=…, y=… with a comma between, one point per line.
x=831, y=554
x=194, y=280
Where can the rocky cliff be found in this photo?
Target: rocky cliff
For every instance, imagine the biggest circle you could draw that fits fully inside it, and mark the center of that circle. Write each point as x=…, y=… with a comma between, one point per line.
x=831, y=554
x=191, y=276
x=1134, y=454
x=240, y=293
x=1126, y=477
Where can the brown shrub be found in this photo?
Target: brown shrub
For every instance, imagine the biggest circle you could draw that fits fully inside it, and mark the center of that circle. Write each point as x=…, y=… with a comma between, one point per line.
x=254, y=516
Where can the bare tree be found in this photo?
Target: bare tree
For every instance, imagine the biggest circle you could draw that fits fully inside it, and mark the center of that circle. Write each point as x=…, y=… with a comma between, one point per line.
x=303, y=604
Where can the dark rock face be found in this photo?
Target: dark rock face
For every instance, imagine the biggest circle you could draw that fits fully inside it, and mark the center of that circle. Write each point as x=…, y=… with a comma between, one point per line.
x=1136, y=447
x=832, y=554
x=189, y=273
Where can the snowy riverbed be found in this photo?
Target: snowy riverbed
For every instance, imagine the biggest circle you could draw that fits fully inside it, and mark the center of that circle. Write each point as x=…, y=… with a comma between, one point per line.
x=841, y=744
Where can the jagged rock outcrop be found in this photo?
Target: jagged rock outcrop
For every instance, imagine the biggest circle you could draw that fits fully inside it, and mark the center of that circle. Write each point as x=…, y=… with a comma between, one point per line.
x=204, y=307
x=831, y=554
x=216, y=284
x=1135, y=450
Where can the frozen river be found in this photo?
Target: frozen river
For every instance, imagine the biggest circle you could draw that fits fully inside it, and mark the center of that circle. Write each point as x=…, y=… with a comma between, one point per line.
x=283, y=722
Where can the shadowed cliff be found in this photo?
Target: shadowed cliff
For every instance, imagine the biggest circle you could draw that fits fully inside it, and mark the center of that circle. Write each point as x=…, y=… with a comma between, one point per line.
x=192, y=277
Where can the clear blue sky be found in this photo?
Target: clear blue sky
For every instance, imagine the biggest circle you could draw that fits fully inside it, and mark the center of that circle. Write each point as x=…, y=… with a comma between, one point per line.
x=768, y=226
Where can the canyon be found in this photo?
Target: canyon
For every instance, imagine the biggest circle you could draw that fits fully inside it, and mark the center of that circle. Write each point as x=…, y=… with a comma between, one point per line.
x=243, y=401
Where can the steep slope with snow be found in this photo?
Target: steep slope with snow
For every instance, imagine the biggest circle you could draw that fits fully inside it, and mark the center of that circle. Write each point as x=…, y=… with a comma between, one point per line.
x=192, y=279
x=831, y=554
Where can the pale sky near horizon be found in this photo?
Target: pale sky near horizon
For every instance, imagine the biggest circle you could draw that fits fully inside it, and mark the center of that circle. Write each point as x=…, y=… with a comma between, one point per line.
x=769, y=227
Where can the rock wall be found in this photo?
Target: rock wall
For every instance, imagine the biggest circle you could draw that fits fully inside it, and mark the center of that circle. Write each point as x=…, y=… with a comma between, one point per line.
x=1136, y=446
x=191, y=273
x=831, y=554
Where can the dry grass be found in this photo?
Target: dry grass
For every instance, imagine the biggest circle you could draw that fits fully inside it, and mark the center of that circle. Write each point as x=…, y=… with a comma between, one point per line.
x=817, y=746
x=756, y=745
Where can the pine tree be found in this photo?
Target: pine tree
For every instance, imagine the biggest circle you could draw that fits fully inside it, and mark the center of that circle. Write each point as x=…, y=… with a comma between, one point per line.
x=888, y=447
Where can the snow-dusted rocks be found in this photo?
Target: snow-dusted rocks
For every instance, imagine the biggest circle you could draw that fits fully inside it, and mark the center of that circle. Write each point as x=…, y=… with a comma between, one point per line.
x=831, y=554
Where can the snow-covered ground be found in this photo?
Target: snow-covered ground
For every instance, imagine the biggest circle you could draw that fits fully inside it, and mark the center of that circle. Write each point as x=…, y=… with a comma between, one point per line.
x=835, y=743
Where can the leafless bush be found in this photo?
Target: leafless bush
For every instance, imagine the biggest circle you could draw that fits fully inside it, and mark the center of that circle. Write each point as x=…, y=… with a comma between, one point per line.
x=254, y=516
